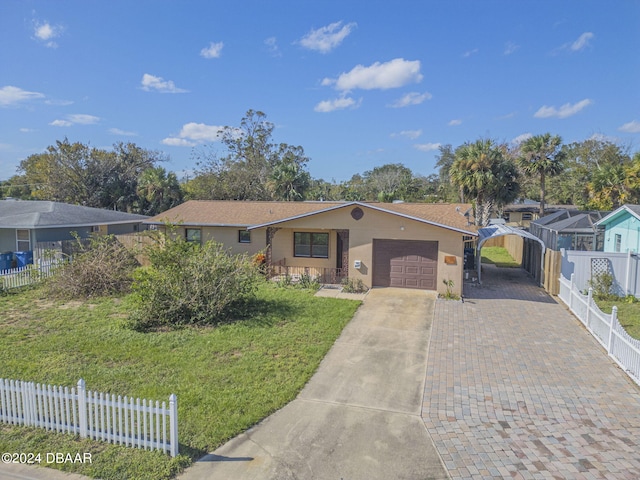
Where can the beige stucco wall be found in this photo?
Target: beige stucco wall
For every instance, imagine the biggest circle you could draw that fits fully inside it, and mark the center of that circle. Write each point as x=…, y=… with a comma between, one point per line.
x=229, y=237
x=373, y=225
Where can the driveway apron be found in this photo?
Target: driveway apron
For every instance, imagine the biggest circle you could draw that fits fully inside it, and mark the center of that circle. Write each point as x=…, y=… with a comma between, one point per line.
x=517, y=388
x=359, y=417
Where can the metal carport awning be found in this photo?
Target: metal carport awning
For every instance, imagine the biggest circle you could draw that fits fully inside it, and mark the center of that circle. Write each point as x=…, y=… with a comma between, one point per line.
x=493, y=231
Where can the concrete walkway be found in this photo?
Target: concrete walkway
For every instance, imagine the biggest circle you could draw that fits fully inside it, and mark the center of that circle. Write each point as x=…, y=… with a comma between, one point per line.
x=517, y=388
x=359, y=416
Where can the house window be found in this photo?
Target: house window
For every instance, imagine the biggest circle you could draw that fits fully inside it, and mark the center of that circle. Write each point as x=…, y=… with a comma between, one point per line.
x=23, y=240
x=244, y=236
x=618, y=245
x=313, y=245
x=527, y=216
x=193, y=235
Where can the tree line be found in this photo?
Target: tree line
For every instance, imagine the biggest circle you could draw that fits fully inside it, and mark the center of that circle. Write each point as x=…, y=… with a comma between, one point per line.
x=247, y=164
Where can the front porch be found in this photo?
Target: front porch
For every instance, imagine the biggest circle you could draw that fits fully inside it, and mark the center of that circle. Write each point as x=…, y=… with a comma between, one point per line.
x=316, y=254
x=323, y=275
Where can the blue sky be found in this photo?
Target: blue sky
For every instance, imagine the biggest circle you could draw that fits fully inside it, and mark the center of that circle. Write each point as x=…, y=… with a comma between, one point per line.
x=356, y=83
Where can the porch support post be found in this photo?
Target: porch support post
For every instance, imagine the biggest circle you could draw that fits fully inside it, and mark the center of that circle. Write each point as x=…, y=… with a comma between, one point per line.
x=271, y=232
x=343, y=235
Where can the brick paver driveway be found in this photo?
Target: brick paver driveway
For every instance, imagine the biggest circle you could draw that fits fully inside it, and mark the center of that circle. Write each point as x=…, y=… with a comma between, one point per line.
x=517, y=388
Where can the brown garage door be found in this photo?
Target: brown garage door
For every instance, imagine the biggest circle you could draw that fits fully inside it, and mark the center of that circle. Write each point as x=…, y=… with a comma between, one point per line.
x=405, y=263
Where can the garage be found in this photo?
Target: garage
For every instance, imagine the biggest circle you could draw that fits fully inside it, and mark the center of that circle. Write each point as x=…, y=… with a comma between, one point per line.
x=405, y=264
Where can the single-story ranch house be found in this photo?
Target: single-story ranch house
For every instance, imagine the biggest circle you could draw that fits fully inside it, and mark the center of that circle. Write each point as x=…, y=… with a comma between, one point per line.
x=31, y=225
x=411, y=245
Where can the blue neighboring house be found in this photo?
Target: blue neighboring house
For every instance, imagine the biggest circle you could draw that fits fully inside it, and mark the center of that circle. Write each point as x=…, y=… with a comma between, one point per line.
x=30, y=226
x=622, y=229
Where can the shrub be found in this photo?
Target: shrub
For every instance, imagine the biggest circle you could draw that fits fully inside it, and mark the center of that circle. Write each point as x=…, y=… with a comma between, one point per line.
x=309, y=282
x=602, y=285
x=189, y=284
x=449, y=295
x=350, y=285
x=102, y=266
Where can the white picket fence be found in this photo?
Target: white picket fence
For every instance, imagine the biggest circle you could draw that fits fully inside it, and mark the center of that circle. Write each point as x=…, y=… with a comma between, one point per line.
x=100, y=416
x=23, y=276
x=622, y=347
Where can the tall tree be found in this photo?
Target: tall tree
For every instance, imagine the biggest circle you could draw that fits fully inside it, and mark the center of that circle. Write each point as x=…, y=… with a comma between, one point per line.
x=483, y=171
x=388, y=182
x=246, y=168
x=445, y=159
x=582, y=160
x=542, y=156
x=78, y=174
x=157, y=191
x=288, y=179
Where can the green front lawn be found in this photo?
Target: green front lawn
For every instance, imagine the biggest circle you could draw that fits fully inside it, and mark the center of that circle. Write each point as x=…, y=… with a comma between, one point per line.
x=226, y=378
x=498, y=256
x=628, y=314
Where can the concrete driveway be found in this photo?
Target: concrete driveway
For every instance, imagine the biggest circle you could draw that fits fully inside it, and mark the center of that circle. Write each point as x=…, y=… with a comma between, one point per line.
x=359, y=416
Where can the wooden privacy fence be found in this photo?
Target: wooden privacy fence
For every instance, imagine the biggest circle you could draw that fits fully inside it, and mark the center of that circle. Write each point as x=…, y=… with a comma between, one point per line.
x=622, y=347
x=99, y=416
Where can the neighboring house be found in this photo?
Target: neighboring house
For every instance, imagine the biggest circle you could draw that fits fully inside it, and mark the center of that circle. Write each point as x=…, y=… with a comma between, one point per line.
x=622, y=229
x=28, y=225
x=523, y=213
x=407, y=245
x=570, y=229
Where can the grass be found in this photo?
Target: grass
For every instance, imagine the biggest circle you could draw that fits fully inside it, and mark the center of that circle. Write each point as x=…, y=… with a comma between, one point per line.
x=226, y=378
x=628, y=313
x=498, y=256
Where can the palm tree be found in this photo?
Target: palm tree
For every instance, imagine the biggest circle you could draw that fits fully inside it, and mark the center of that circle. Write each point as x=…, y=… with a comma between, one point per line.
x=482, y=171
x=158, y=191
x=542, y=156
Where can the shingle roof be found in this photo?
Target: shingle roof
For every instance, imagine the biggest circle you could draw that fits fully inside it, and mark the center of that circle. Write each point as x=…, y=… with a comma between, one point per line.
x=251, y=214
x=45, y=214
x=627, y=207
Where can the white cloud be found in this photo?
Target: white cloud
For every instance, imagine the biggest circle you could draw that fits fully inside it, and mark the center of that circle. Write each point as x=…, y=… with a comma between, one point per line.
x=10, y=96
x=411, y=134
x=325, y=39
x=214, y=50
x=45, y=32
x=581, y=42
x=272, y=46
x=393, y=74
x=510, y=48
x=630, y=127
x=455, y=122
x=83, y=119
x=177, y=142
x=468, y=53
x=413, y=98
x=336, y=104
x=158, y=84
x=427, y=147
x=76, y=119
x=521, y=138
x=566, y=110
x=123, y=133
x=193, y=133
x=61, y=123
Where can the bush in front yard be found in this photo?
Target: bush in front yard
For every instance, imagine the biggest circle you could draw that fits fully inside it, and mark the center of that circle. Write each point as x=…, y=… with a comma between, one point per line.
x=100, y=267
x=189, y=284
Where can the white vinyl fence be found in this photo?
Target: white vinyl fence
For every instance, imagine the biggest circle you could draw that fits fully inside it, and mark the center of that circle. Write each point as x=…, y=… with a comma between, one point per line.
x=100, y=416
x=606, y=328
x=23, y=276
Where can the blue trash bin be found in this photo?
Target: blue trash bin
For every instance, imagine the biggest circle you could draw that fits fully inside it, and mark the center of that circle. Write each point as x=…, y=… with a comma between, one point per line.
x=5, y=260
x=24, y=258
